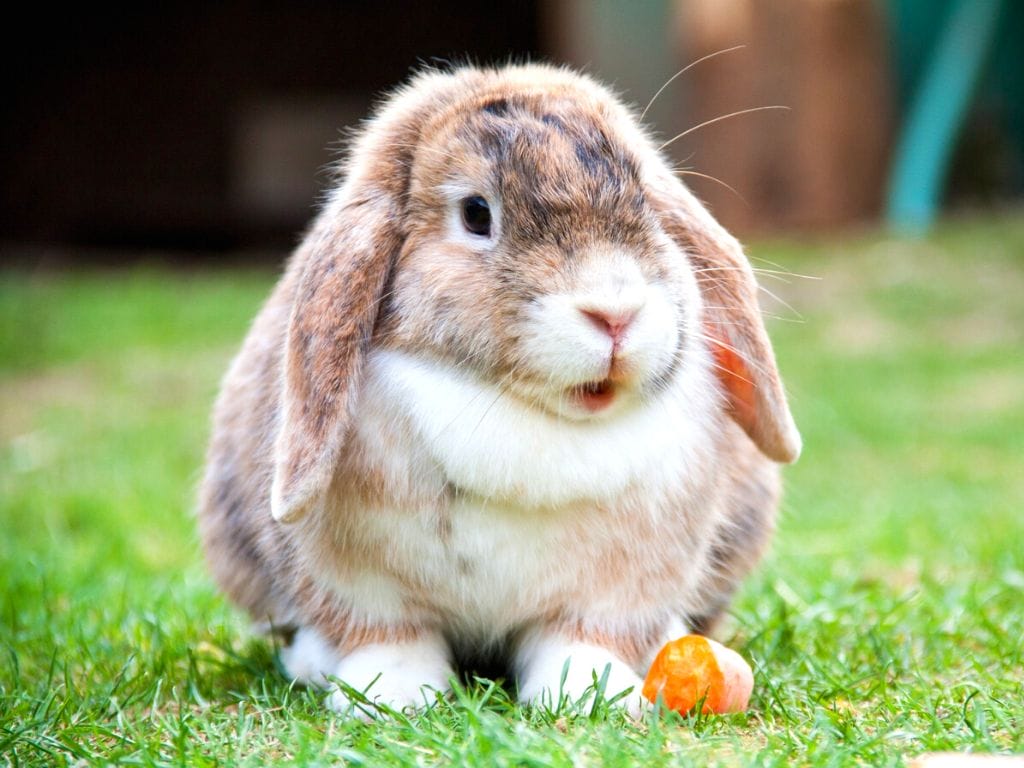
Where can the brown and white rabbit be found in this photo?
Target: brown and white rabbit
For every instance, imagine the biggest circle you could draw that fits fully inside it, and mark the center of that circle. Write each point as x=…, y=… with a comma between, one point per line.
x=512, y=396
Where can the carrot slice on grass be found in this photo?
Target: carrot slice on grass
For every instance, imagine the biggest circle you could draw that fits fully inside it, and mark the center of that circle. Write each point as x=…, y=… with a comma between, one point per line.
x=693, y=668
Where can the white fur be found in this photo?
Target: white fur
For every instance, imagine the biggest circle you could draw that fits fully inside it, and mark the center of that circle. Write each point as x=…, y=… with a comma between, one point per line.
x=374, y=597
x=495, y=570
x=309, y=658
x=565, y=348
x=500, y=448
x=398, y=675
x=541, y=662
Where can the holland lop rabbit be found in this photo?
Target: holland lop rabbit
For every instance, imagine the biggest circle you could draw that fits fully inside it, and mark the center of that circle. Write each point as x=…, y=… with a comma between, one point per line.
x=511, y=398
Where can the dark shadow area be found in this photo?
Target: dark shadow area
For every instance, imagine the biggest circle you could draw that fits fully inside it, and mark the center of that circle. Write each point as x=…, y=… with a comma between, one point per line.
x=207, y=126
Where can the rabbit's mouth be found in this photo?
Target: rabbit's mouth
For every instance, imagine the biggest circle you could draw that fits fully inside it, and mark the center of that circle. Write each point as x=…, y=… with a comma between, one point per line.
x=594, y=396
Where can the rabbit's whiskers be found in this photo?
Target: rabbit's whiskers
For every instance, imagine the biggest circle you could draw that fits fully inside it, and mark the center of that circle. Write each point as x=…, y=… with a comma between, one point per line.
x=682, y=72
x=718, y=119
x=709, y=177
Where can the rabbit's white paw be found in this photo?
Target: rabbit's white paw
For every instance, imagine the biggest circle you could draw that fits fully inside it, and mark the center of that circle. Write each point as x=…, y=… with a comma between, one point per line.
x=396, y=675
x=308, y=659
x=540, y=677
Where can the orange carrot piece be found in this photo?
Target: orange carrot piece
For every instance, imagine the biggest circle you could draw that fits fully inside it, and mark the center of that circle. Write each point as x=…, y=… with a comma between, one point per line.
x=693, y=668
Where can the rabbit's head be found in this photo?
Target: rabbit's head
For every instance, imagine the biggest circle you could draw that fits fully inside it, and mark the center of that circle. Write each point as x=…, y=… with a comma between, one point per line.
x=517, y=224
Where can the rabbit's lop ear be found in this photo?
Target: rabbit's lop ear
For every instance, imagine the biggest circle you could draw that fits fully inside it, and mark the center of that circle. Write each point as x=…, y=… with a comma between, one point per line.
x=337, y=284
x=743, y=357
x=336, y=297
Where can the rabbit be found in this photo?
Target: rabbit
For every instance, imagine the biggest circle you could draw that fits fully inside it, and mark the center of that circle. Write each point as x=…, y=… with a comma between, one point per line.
x=511, y=399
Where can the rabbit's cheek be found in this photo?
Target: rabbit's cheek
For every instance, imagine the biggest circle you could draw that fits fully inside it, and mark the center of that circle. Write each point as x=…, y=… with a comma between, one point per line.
x=651, y=344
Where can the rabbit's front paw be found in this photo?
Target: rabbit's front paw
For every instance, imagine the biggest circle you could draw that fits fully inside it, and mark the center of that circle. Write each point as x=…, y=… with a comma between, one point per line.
x=541, y=683
x=398, y=676
x=309, y=658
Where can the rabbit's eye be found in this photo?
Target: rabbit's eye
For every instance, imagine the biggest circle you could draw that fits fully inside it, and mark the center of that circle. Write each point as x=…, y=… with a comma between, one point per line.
x=476, y=215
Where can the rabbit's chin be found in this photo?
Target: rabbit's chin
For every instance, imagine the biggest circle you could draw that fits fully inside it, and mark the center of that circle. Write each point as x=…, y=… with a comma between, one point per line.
x=497, y=445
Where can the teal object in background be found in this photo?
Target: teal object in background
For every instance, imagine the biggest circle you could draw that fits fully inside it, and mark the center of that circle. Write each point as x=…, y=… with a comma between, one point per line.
x=940, y=84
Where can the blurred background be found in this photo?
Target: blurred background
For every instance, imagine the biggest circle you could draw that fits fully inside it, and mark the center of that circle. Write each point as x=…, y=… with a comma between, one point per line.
x=206, y=127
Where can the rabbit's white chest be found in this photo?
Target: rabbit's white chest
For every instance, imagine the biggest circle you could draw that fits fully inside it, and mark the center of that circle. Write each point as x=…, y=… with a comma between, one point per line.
x=516, y=513
x=500, y=449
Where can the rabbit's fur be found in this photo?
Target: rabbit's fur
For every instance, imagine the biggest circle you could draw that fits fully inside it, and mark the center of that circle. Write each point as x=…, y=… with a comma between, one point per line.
x=554, y=440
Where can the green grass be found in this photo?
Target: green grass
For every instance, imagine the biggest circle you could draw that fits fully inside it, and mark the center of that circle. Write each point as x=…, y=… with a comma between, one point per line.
x=888, y=620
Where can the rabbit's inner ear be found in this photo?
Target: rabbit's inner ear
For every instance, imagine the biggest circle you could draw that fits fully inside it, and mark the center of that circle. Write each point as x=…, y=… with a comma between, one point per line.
x=735, y=377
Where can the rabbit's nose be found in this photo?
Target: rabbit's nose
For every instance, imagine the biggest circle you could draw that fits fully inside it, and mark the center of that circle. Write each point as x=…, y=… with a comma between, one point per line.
x=613, y=321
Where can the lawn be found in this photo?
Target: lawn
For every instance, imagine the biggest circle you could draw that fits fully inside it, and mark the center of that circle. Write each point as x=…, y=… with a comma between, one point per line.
x=887, y=621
